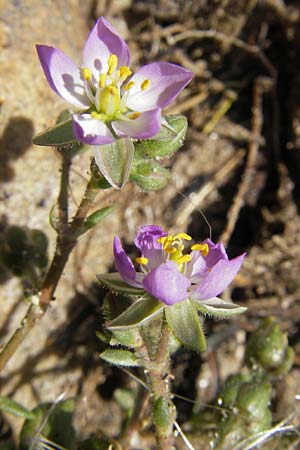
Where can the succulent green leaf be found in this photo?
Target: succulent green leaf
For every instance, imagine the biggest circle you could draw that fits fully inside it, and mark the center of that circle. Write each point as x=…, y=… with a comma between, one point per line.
x=219, y=308
x=254, y=397
x=166, y=142
x=120, y=357
x=114, y=161
x=150, y=175
x=163, y=415
x=97, y=216
x=137, y=314
x=51, y=422
x=184, y=322
x=10, y=406
x=114, y=281
x=59, y=135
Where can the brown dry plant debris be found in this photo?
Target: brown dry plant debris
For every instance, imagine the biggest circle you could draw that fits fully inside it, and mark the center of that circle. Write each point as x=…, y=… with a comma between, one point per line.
x=241, y=170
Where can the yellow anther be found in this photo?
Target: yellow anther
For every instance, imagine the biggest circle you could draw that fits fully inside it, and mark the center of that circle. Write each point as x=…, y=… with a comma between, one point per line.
x=96, y=115
x=142, y=260
x=102, y=80
x=112, y=63
x=125, y=72
x=113, y=90
x=162, y=239
x=203, y=248
x=145, y=84
x=184, y=236
x=170, y=250
x=129, y=85
x=169, y=240
x=184, y=259
x=134, y=115
x=86, y=73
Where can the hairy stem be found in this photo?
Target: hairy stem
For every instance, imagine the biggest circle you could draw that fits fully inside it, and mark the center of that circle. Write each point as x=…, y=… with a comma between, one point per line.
x=66, y=240
x=157, y=361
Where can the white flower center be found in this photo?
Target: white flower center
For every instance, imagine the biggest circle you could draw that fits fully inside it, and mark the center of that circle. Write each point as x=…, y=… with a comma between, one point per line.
x=108, y=95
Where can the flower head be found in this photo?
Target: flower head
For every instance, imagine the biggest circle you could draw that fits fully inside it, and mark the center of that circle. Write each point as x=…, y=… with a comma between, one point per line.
x=111, y=102
x=171, y=275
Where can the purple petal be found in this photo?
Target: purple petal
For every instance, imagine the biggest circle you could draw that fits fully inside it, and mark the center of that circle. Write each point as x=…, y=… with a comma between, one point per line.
x=124, y=265
x=91, y=131
x=218, y=278
x=146, y=242
x=145, y=126
x=166, y=82
x=199, y=264
x=167, y=284
x=103, y=41
x=63, y=75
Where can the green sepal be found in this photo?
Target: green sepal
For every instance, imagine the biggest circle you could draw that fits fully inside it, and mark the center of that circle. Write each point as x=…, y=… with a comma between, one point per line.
x=217, y=307
x=114, y=281
x=150, y=175
x=184, y=322
x=115, y=160
x=113, y=306
x=140, y=312
x=54, y=422
x=97, y=217
x=10, y=406
x=166, y=142
x=59, y=135
x=119, y=357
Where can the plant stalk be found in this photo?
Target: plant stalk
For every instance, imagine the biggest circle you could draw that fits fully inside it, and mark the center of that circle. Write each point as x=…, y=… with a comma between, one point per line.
x=157, y=362
x=66, y=241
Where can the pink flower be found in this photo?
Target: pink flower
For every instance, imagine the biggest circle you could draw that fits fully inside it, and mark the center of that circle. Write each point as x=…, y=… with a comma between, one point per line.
x=172, y=276
x=110, y=101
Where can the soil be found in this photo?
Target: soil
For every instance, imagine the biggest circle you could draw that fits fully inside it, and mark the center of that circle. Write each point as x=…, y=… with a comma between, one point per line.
x=239, y=171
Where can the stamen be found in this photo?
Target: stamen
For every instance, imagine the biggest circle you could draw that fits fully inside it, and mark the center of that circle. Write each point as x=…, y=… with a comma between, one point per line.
x=170, y=250
x=134, y=115
x=203, y=248
x=96, y=115
x=145, y=84
x=112, y=63
x=184, y=236
x=162, y=240
x=102, y=80
x=86, y=73
x=125, y=72
x=184, y=259
x=142, y=260
x=113, y=90
x=168, y=241
x=129, y=85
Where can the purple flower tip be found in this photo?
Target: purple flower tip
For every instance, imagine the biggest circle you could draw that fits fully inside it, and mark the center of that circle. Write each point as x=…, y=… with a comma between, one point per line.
x=171, y=275
x=112, y=102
